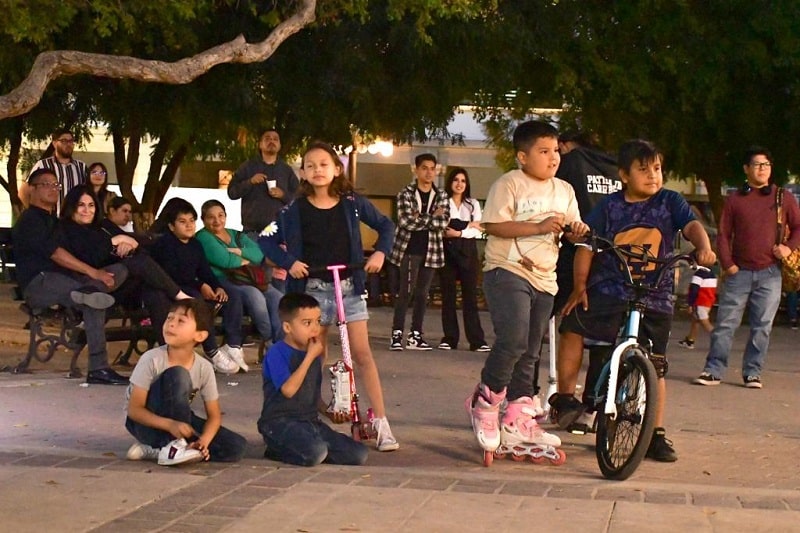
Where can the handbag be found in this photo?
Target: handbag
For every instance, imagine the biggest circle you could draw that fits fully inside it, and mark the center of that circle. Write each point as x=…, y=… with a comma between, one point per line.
x=790, y=265
x=249, y=274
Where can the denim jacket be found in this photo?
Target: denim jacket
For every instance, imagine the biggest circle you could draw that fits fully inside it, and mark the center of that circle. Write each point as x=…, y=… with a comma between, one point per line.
x=288, y=232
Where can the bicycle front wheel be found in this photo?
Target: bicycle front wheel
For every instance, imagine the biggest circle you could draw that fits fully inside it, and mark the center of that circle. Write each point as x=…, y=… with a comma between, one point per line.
x=622, y=441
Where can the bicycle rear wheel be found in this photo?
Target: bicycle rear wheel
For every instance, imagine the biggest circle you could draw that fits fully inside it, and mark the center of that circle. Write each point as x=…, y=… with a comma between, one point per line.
x=623, y=441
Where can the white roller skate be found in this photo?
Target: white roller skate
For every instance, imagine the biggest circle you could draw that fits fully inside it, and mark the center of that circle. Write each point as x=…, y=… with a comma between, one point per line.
x=521, y=436
x=483, y=407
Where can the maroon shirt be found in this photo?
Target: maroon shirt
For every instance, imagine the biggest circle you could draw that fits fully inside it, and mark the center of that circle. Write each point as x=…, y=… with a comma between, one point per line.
x=748, y=229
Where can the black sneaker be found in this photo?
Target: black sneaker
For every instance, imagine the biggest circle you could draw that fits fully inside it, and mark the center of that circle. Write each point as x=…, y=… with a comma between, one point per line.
x=706, y=379
x=686, y=343
x=752, y=382
x=565, y=409
x=416, y=342
x=793, y=324
x=396, y=344
x=661, y=448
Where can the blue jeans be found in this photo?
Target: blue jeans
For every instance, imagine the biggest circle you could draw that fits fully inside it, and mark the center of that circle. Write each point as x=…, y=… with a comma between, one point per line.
x=791, y=305
x=262, y=308
x=309, y=443
x=760, y=292
x=520, y=315
x=169, y=397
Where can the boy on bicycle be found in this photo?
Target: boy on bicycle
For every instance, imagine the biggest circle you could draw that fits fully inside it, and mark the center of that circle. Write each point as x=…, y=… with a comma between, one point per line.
x=645, y=216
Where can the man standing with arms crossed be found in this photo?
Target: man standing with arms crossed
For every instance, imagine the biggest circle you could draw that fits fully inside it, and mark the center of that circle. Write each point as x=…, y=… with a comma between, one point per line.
x=265, y=184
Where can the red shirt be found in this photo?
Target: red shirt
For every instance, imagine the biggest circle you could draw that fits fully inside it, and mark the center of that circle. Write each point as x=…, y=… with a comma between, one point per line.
x=748, y=229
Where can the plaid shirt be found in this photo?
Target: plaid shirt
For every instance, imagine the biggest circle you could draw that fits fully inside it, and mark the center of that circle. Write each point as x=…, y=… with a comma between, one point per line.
x=408, y=221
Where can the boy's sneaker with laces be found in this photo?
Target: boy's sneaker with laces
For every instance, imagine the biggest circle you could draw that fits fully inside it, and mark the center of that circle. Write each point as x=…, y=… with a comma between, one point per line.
x=444, y=346
x=224, y=364
x=482, y=348
x=142, y=452
x=178, y=452
x=416, y=342
x=661, y=448
x=583, y=425
x=565, y=409
x=752, y=382
x=687, y=343
x=235, y=354
x=396, y=344
x=384, y=440
x=706, y=379
x=793, y=324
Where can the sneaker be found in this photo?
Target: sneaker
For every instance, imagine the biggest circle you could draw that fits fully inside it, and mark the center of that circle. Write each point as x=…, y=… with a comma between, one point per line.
x=483, y=348
x=687, y=343
x=396, y=343
x=752, y=382
x=142, y=452
x=793, y=324
x=224, y=364
x=565, y=409
x=583, y=425
x=236, y=355
x=416, y=342
x=706, y=379
x=385, y=441
x=444, y=346
x=661, y=448
x=94, y=299
x=178, y=452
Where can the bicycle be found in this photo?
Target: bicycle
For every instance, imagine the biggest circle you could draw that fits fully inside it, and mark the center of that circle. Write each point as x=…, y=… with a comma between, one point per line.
x=626, y=418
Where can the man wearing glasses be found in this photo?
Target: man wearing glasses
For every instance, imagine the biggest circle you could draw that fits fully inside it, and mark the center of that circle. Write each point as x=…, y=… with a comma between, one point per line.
x=750, y=260
x=48, y=274
x=69, y=171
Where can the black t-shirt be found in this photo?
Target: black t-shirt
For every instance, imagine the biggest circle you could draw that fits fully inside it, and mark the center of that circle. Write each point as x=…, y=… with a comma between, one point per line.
x=418, y=243
x=326, y=240
x=35, y=240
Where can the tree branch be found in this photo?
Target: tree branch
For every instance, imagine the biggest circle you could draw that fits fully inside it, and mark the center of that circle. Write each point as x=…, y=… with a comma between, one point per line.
x=49, y=66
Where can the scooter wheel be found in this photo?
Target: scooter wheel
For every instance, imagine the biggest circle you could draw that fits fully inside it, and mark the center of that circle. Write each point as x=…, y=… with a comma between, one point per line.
x=488, y=457
x=355, y=431
x=562, y=458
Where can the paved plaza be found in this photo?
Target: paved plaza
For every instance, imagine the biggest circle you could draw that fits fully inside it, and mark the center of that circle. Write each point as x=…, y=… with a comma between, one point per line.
x=62, y=466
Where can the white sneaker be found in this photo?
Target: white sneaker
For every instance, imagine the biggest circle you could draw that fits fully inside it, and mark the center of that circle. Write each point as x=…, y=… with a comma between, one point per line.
x=385, y=441
x=142, y=452
x=236, y=355
x=223, y=363
x=178, y=452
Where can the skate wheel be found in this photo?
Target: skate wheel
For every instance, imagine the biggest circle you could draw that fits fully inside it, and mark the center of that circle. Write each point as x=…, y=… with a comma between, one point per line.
x=517, y=458
x=488, y=457
x=562, y=458
x=499, y=455
x=538, y=460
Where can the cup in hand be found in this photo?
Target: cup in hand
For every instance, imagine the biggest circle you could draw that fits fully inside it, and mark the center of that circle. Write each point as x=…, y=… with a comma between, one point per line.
x=271, y=184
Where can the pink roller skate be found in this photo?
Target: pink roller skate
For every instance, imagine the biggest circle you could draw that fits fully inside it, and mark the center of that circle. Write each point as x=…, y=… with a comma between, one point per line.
x=521, y=436
x=483, y=407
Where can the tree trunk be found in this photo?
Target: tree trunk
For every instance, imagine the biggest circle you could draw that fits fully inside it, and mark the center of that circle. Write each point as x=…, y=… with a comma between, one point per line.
x=13, y=164
x=125, y=161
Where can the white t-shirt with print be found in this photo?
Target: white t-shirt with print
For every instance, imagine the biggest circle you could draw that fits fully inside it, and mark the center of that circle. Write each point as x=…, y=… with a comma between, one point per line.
x=516, y=197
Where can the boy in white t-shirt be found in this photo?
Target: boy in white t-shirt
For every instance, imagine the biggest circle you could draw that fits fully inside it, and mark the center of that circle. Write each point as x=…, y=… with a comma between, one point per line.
x=162, y=387
x=525, y=214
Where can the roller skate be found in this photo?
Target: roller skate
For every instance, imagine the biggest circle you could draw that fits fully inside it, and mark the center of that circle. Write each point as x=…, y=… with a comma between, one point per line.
x=483, y=407
x=521, y=436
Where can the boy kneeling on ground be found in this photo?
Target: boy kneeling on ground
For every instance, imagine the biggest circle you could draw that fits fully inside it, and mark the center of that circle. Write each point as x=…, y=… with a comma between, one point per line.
x=290, y=423
x=162, y=387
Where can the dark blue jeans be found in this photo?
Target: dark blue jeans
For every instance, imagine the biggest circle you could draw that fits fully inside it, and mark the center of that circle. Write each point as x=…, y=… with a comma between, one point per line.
x=520, y=315
x=169, y=396
x=309, y=443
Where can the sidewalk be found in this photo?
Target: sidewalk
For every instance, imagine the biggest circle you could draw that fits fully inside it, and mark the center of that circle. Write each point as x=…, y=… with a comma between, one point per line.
x=62, y=461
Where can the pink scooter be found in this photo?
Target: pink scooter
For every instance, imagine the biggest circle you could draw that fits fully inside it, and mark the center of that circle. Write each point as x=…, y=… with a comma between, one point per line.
x=343, y=382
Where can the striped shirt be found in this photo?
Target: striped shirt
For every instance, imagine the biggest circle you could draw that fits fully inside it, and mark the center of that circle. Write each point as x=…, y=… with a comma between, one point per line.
x=69, y=175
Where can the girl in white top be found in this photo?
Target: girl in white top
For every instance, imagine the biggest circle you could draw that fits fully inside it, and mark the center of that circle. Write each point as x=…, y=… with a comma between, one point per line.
x=461, y=263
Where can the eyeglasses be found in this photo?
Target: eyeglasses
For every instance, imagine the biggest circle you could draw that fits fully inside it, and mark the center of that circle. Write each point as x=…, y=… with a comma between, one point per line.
x=48, y=185
x=66, y=141
x=765, y=164
x=98, y=172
